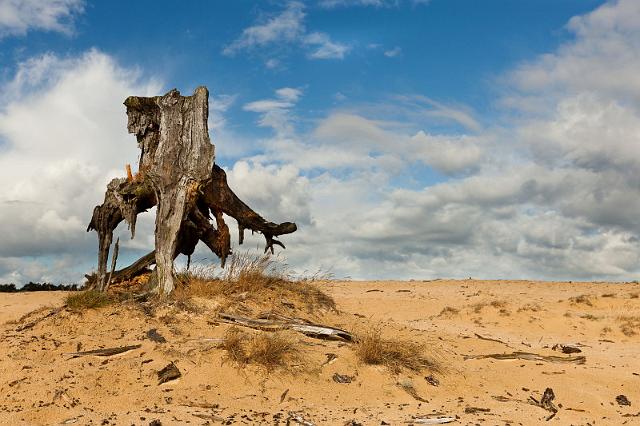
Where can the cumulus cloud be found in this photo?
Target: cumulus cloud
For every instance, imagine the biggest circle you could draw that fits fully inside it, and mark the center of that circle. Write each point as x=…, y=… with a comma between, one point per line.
x=63, y=128
x=287, y=28
x=275, y=113
x=552, y=195
x=17, y=17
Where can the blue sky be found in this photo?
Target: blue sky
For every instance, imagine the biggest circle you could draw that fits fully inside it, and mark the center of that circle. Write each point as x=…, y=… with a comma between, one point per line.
x=409, y=139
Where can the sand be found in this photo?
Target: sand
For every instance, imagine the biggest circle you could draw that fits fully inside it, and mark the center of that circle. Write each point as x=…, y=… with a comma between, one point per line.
x=40, y=384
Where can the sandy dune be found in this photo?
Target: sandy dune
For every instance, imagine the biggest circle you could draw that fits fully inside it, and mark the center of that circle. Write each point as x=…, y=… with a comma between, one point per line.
x=39, y=384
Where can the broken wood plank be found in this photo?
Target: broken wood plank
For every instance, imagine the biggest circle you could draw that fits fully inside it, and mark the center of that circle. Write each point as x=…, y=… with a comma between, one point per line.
x=103, y=352
x=299, y=419
x=168, y=373
x=432, y=420
x=528, y=356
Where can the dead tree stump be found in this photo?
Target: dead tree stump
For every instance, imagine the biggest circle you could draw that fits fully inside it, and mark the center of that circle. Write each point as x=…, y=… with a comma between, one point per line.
x=177, y=174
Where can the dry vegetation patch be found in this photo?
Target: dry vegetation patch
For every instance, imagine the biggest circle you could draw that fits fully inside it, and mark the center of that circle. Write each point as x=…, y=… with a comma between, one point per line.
x=258, y=282
x=448, y=312
x=630, y=325
x=90, y=299
x=396, y=354
x=275, y=350
x=584, y=299
x=498, y=304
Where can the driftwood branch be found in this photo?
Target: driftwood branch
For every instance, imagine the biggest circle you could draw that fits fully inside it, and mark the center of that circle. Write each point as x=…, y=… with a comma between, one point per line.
x=103, y=352
x=308, y=329
x=528, y=356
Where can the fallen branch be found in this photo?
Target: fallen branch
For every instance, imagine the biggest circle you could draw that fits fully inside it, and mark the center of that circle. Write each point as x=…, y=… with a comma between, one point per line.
x=528, y=356
x=432, y=420
x=104, y=352
x=546, y=402
x=489, y=339
x=295, y=324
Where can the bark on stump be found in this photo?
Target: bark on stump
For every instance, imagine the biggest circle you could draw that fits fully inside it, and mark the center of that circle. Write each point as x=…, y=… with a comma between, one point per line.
x=178, y=174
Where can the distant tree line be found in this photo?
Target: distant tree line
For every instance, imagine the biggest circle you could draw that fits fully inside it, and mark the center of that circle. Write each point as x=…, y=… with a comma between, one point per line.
x=31, y=286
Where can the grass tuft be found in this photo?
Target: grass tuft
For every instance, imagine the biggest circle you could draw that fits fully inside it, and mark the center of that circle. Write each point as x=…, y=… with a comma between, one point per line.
x=448, y=312
x=630, y=325
x=268, y=350
x=259, y=279
x=90, y=299
x=371, y=348
x=582, y=299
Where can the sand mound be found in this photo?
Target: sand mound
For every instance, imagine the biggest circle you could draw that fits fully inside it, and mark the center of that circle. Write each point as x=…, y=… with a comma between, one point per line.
x=275, y=377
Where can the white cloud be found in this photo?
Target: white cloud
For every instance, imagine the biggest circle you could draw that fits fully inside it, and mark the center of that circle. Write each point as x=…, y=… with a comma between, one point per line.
x=392, y=53
x=272, y=63
x=602, y=58
x=17, y=17
x=324, y=48
x=64, y=131
x=428, y=107
x=552, y=194
x=287, y=28
x=275, y=113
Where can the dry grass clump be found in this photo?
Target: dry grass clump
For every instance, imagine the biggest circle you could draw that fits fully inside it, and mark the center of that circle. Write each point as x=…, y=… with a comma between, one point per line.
x=199, y=281
x=582, y=299
x=448, y=312
x=269, y=350
x=630, y=325
x=591, y=317
x=395, y=354
x=90, y=299
x=533, y=307
x=498, y=304
x=261, y=279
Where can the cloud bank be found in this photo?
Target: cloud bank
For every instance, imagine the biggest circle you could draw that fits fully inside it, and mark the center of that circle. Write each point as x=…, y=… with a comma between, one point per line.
x=17, y=17
x=63, y=136
x=549, y=191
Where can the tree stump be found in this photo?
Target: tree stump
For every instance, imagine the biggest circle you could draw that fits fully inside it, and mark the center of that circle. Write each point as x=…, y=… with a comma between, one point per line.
x=177, y=173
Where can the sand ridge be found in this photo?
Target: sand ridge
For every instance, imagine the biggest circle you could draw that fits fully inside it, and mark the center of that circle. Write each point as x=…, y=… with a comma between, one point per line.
x=39, y=384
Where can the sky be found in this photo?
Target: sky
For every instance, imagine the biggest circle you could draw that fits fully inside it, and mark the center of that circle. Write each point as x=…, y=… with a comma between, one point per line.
x=408, y=139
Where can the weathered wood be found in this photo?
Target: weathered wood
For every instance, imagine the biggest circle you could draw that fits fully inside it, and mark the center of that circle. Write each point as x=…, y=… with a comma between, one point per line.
x=114, y=260
x=308, y=329
x=178, y=175
x=104, y=352
x=168, y=373
x=528, y=356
